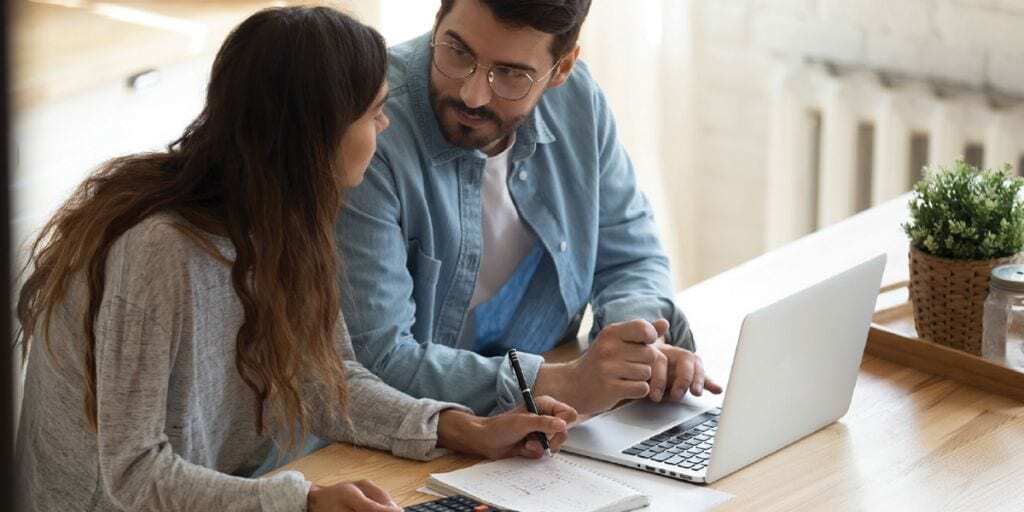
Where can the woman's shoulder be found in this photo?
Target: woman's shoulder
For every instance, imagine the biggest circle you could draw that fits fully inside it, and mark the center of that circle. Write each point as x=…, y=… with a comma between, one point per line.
x=160, y=233
x=167, y=241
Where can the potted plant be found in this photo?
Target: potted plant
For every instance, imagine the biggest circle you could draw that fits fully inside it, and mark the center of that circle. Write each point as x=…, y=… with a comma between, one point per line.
x=963, y=223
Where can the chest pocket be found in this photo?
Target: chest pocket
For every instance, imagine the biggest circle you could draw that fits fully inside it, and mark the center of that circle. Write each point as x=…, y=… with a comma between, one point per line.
x=425, y=271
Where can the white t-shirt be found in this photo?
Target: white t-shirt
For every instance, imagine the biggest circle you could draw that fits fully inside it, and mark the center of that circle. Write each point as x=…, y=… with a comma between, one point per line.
x=507, y=239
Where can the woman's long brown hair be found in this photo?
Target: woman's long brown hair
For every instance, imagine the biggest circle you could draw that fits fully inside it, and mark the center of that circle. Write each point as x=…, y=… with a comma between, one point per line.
x=260, y=165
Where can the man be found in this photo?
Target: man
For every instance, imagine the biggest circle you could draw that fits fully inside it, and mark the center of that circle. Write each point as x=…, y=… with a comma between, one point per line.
x=498, y=205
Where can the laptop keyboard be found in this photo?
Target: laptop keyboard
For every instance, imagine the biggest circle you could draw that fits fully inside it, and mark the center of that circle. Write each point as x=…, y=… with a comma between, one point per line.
x=687, y=445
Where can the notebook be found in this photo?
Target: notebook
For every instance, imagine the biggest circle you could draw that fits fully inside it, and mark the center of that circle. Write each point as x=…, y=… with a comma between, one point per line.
x=549, y=484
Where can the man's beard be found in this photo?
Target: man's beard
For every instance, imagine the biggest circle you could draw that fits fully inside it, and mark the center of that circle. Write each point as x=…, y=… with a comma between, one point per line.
x=466, y=137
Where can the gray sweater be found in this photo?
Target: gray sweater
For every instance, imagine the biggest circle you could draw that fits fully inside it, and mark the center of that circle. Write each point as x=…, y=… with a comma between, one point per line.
x=177, y=425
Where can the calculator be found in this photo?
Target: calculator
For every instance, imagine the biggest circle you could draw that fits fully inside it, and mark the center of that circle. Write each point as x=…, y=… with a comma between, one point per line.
x=452, y=504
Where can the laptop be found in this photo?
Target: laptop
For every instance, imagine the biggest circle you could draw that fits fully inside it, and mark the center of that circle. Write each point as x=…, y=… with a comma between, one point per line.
x=793, y=373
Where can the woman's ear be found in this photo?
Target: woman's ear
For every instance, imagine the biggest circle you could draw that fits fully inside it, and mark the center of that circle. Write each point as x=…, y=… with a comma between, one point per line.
x=564, y=69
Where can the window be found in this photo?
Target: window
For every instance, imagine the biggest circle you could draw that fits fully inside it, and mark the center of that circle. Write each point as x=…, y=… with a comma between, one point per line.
x=918, y=156
x=865, y=164
x=974, y=154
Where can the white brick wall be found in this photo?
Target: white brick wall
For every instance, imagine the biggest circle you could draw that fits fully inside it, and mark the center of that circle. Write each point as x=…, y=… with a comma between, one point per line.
x=924, y=57
x=739, y=45
x=1006, y=68
x=980, y=27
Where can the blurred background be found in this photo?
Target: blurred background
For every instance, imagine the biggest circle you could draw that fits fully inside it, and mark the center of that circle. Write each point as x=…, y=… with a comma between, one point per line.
x=750, y=122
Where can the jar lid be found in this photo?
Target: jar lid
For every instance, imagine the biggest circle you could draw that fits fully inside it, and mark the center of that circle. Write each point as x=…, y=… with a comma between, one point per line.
x=1009, y=278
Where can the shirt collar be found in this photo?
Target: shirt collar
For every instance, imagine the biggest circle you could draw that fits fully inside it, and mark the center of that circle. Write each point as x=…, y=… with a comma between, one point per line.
x=533, y=131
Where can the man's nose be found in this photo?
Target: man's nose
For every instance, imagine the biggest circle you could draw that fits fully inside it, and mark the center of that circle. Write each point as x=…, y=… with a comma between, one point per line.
x=476, y=92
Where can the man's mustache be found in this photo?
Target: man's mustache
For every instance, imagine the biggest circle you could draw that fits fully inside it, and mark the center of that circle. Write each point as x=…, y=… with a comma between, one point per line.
x=481, y=112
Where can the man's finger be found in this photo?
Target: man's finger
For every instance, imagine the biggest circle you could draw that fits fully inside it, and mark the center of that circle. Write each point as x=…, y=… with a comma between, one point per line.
x=633, y=389
x=661, y=325
x=697, y=387
x=712, y=386
x=637, y=353
x=633, y=371
x=684, y=377
x=659, y=377
x=635, y=331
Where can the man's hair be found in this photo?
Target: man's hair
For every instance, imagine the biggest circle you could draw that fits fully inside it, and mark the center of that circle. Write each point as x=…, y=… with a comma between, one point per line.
x=560, y=18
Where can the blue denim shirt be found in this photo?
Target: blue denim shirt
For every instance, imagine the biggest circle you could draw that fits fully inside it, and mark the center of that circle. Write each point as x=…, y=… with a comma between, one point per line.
x=411, y=240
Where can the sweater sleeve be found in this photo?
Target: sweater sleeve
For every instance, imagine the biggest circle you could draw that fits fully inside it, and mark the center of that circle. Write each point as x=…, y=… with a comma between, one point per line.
x=145, y=314
x=380, y=416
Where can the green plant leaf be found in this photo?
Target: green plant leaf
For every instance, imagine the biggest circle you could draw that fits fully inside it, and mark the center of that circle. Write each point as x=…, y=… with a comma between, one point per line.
x=967, y=213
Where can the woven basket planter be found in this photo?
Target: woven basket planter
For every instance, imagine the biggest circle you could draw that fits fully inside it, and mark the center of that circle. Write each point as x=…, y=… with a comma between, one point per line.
x=948, y=297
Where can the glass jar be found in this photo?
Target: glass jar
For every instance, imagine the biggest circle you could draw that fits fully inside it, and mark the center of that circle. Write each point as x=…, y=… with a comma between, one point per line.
x=1003, y=328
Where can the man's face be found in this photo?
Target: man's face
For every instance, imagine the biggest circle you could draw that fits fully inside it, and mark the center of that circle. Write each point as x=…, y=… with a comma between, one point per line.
x=470, y=114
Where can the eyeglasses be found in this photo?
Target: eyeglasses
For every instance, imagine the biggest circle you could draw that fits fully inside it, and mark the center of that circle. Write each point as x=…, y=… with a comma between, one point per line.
x=457, y=63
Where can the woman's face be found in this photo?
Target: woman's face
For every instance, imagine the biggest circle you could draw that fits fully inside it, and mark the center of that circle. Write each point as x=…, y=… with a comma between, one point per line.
x=360, y=141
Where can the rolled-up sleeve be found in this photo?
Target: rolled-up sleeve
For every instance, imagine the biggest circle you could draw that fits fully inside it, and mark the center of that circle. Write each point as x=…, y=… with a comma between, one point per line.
x=632, y=278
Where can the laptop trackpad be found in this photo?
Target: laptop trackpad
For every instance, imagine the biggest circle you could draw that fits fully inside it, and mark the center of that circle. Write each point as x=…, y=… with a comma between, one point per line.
x=655, y=416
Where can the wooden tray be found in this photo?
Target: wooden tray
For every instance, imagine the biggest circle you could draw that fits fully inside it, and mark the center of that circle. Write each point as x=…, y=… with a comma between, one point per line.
x=894, y=338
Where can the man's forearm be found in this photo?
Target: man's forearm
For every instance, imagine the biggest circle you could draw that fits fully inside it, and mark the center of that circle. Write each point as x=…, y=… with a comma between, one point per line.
x=557, y=380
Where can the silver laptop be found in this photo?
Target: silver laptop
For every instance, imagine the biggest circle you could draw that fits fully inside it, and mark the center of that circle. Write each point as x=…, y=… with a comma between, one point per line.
x=793, y=373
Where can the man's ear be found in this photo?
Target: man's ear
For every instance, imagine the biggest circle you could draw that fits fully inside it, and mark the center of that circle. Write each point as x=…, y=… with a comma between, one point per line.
x=564, y=69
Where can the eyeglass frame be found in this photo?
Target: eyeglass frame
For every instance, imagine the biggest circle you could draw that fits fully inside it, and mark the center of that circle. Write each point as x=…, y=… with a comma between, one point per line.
x=490, y=70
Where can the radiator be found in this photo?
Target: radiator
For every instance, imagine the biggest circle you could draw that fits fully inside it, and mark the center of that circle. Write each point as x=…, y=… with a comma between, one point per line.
x=843, y=141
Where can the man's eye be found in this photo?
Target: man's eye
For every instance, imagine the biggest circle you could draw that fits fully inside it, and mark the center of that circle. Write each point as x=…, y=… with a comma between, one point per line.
x=509, y=72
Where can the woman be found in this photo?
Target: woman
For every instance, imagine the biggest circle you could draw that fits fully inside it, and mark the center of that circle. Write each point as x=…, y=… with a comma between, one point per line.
x=187, y=304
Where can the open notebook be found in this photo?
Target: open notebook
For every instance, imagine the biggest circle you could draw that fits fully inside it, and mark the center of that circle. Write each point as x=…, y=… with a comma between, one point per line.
x=549, y=484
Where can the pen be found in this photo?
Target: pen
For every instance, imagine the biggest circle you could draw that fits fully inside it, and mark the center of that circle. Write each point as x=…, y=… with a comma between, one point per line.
x=513, y=356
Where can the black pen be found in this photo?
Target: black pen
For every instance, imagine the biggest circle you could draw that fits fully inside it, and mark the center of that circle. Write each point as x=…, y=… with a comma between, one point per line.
x=513, y=356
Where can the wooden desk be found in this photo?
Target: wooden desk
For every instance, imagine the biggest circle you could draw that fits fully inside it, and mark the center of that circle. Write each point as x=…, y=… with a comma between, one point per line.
x=911, y=441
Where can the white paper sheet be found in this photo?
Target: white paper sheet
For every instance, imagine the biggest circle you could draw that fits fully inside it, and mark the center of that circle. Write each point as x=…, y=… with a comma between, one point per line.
x=667, y=495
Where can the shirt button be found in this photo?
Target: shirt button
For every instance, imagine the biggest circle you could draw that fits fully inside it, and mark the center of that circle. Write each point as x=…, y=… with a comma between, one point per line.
x=563, y=246
x=522, y=175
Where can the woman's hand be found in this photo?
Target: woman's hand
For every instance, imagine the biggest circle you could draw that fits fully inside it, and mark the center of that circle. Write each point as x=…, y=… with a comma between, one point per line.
x=350, y=497
x=507, y=434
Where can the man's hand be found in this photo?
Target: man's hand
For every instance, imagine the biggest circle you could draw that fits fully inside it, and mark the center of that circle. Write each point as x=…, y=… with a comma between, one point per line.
x=620, y=364
x=683, y=371
x=507, y=434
